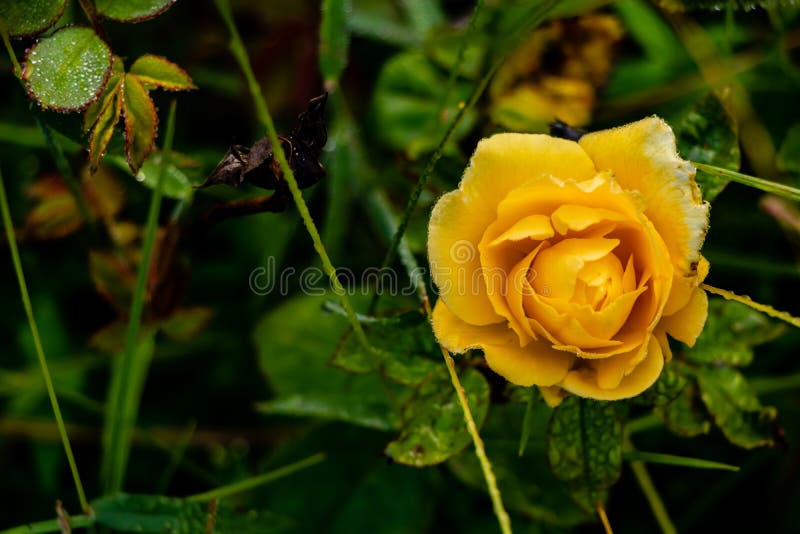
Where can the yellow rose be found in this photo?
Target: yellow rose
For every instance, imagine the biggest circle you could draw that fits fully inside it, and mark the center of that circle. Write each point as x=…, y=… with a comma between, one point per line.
x=568, y=263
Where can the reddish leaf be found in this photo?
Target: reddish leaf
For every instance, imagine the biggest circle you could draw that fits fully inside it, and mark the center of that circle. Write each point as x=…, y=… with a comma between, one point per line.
x=55, y=214
x=104, y=127
x=141, y=122
x=157, y=71
x=113, y=278
x=186, y=323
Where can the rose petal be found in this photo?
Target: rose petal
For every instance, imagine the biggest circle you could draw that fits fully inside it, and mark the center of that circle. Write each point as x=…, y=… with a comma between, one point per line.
x=532, y=227
x=557, y=267
x=643, y=157
x=574, y=217
x=454, y=232
x=686, y=324
x=536, y=363
x=458, y=336
x=506, y=161
x=583, y=381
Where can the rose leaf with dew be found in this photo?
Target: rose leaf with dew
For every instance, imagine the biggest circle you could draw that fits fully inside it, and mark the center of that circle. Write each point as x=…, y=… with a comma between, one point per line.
x=27, y=18
x=708, y=134
x=584, y=448
x=141, y=122
x=156, y=71
x=67, y=70
x=433, y=427
x=406, y=352
x=132, y=10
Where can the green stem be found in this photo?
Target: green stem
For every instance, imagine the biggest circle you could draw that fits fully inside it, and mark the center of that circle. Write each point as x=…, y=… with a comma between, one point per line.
x=650, y=491
x=759, y=183
x=671, y=459
x=462, y=47
x=536, y=17
x=772, y=384
x=480, y=451
x=12, y=56
x=51, y=525
x=262, y=111
x=641, y=424
x=121, y=407
x=48, y=382
x=253, y=482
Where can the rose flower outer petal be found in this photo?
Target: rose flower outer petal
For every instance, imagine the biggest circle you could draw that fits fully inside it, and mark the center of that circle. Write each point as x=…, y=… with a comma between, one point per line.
x=686, y=324
x=506, y=161
x=454, y=232
x=643, y=157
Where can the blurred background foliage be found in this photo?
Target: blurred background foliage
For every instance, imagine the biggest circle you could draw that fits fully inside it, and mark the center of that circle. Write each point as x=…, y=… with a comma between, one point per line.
x=242, y=383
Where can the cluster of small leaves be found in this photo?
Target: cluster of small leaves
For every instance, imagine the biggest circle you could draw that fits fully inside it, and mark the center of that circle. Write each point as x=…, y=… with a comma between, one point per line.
x=73, y=69
x=715, y=389
x=126, y=94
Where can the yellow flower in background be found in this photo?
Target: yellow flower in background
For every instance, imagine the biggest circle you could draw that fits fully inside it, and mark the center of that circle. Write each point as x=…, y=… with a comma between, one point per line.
x=555, y=74
x=568, y=262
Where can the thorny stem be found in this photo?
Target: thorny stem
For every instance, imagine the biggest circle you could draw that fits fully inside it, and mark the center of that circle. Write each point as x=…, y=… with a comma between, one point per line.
x=26, y=303
x=747, y=301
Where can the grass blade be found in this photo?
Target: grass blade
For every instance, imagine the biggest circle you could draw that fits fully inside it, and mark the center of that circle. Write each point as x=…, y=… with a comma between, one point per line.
x=130, y=370
x=758, y=183
x=671, y=459
x=26, y=303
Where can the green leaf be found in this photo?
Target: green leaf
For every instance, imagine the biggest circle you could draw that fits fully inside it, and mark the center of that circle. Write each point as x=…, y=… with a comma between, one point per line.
x=669, y=385
x=334, y=40
x=685, y=415
x=584, y=447
x=423, y=15
x=732, y=330
x=409, y=108
x=132, y=10
x=736, y=409
x=708, y=134
x=121, y=412
x=26, y=18
x=175, y=182
x=156, y=71
x=433, y=427
x=788, y=158
x=94, y=110
x=407, y=352
x=67, y=70
x=106, y=122
x=295, y=341
x=141, y=122
x=159, y=514
x=526, y=483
